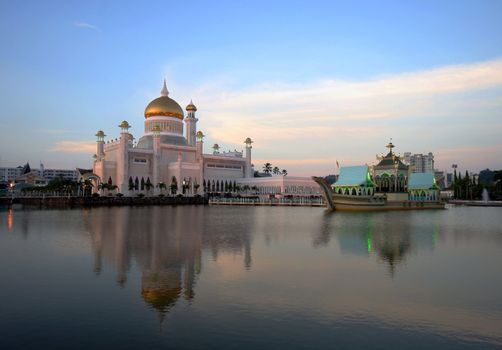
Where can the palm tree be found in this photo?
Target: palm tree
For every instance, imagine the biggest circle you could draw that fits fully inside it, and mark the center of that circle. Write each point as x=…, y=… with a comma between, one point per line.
x=267, y=168
x=112, y=187
x=284, y=172
x=162, y=186
x=276, y=170
x=102, y=187
x=87, y=186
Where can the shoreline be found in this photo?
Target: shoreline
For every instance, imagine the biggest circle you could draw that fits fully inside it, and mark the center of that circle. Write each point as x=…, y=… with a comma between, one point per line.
x=61, y=202
x=476, y=203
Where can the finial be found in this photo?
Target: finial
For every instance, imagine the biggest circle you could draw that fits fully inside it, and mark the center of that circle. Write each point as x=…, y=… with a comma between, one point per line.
x=164, y=91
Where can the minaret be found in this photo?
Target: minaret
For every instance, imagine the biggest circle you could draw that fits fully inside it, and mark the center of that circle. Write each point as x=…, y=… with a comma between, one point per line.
x=156, y=156
x=191, y=124
x=100, y=149
x=216, y=149
x=199, y=157
x=200, y=142
x=249, y=170
x=123, y=157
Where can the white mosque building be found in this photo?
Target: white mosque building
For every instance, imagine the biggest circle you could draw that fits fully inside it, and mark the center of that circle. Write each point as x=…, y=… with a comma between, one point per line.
x=170, y=157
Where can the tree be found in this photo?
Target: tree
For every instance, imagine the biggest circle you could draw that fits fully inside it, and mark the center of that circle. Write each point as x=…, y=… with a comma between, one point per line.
x=174, y=185
x=131, y=184
x=148, y=184
x=102, y=187
x=87, y=185
x=276, y=170
x=267, y=168
x=112, y=187
x=161, y=186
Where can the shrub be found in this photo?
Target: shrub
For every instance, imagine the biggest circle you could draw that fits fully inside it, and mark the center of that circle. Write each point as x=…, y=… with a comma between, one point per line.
x=140, y=195
x=119, y=195
x=161, y=195
x=95, y=195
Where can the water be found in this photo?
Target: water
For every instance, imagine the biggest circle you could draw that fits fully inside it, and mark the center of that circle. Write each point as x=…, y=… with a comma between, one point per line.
x=250, y=277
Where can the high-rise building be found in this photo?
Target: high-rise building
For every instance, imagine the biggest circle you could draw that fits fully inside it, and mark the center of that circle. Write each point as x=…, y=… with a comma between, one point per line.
x=420, y=163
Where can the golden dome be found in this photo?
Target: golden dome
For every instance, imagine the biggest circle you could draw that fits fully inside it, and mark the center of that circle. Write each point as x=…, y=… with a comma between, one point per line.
x=164, y=106
x=191, y=107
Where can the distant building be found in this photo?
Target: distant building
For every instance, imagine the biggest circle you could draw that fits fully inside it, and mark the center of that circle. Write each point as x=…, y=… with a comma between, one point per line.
x=42, y=175
x=420, y=163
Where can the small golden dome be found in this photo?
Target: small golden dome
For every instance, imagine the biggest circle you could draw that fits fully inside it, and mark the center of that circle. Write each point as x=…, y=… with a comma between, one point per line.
x=164, y=106
x=191, y=107
x=124, y=125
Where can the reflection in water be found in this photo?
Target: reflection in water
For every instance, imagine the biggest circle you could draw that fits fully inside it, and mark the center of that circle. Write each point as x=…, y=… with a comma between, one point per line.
x=322, y=273
x=388, y=235
x=165, y=244
x=9, y=220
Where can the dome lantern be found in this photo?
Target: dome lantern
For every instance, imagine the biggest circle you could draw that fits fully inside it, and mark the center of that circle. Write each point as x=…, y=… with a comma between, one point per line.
x=191, y=107
x=100, y=136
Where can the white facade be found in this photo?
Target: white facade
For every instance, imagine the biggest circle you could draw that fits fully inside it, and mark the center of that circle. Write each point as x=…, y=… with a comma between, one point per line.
x=9, y=174
x=168, y=156
x=282, y=186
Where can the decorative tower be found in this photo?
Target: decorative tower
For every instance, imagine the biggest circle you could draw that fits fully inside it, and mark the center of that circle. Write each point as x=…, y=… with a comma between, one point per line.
x=156, y=156
x=200, y=143
x=123, y=157
x=249, y=169
x=216, y=149
x=100, y=150
x=191, y=124
x=199, y=157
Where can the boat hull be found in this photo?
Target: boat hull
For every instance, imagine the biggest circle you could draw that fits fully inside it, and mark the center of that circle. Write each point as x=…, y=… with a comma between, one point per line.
x=371, y=203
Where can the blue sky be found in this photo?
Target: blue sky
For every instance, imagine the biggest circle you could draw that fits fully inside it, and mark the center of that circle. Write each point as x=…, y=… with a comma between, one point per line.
x=311, y=82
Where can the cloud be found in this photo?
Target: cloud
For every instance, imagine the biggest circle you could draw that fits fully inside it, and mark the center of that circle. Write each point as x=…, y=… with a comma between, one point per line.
x=56, y=131
x=347, y=119
x=68, y=146
x=85, y=25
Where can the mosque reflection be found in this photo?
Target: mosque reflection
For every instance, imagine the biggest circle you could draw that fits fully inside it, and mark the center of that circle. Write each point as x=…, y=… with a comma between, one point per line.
x=166, y=246
x=390, y=236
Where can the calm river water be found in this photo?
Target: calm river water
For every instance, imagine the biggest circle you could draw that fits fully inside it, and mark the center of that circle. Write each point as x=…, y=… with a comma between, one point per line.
x=250, y=278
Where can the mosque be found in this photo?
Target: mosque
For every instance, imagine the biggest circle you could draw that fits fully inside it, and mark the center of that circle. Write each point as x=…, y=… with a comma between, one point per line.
x=170, y=158
x=169, y=155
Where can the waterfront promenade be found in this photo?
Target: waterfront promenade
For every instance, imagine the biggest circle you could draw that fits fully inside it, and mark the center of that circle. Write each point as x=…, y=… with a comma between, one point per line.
x=75, y=201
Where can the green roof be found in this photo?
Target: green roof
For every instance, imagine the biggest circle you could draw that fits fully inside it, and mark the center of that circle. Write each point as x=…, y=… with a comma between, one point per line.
x=389, y=161
x=354, y=176
x=422, y=181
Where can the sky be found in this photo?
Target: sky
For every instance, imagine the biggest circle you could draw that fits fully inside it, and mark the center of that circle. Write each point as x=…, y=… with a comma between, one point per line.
x=311, y=82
